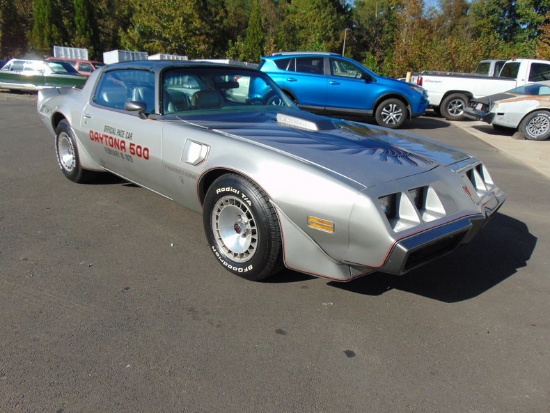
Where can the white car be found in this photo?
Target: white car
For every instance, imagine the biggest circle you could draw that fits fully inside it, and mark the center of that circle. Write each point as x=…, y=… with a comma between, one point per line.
x=525, y=108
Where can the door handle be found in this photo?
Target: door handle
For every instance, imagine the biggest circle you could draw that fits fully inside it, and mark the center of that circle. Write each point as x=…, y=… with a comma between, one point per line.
x=333, y=82
x=87, y=115
x=291, y=79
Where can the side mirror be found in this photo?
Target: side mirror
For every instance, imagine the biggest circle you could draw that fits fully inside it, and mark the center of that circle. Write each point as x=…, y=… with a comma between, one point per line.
x=137, y=106
x=366, y=77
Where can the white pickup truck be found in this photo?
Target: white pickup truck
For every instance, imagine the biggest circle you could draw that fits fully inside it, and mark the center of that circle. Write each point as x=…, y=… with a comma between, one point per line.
x=450, y=94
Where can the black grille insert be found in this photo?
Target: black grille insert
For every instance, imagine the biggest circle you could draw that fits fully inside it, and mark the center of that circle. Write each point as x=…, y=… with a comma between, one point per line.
x=432, y=251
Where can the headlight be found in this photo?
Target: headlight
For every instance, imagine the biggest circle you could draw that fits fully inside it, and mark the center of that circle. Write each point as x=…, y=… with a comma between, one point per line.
x=418, y=89
x=388, y=204
x=417, y=196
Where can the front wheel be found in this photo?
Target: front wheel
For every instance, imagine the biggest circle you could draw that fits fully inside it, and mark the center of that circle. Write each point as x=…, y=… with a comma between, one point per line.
x=536, y=126
x=452, y=107
x=391, y=113
x=242, y=229
x=67, y=154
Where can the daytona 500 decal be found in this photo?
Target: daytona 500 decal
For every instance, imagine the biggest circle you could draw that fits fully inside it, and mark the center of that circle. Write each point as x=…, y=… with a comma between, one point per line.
x=123, y=148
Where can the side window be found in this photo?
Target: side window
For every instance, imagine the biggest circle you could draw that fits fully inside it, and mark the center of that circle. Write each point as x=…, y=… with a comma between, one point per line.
x=312, y=65
x=17, y=66
x=117, y=87
x=344, y=69
x=86, y=67
x=510, y=70
x=286, y=64
x=539, y=72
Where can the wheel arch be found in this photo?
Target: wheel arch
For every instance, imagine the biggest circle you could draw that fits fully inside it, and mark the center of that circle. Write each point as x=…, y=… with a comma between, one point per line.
x=468, y=94
x=208, y=178
x=397, y=96
x=290, y=94
x=56, y=118
x=547, y=110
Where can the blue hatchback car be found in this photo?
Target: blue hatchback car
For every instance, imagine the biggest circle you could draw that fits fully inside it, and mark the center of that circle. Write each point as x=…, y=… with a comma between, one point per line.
x=328, y=83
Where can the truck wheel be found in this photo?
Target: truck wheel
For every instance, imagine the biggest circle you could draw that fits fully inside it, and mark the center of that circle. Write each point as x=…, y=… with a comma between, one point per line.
x=452, y=107
x=242, y=228
x=536, y=125
x=66, y=151
x=391, y=113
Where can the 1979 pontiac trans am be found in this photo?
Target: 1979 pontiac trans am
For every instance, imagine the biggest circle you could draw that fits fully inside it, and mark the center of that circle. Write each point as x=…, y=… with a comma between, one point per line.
x=276, y=186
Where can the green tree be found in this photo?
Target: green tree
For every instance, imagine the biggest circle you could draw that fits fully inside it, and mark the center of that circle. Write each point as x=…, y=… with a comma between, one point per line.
x=86, y=33
x=47, y=26
x=254, y=40
x=313, y=25
x=15, y=20
x=170, y=26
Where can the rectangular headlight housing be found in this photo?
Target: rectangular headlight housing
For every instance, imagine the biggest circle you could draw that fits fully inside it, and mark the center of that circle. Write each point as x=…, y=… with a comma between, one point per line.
x=389, y=205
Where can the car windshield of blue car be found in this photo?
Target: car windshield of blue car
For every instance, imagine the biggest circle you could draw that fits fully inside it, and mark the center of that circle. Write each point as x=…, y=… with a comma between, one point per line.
x=206, y=89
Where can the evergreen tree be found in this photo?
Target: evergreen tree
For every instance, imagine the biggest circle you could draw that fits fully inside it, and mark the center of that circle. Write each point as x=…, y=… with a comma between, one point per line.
x=46, y=30
x=86, y=32
x=254, y=40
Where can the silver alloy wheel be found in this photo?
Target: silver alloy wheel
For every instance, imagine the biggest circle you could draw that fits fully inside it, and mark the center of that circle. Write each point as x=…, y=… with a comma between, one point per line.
x=455, y=107
x=66, y=152
x=538, y=126
x=235, y=229
x=276, y=101
x=392, y=114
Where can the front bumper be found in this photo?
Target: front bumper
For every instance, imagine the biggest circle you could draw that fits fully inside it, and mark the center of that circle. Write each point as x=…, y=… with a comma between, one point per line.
x=476, y=114
x=418, y=249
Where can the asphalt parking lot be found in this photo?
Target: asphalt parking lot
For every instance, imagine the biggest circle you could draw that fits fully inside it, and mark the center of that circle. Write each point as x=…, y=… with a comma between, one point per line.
x=111, y=302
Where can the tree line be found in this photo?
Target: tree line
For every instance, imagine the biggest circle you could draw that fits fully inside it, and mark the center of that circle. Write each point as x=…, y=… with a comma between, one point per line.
x=389, y=36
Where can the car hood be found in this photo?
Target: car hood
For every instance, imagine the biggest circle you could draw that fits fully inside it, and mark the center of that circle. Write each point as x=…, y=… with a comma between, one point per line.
x=366, y=154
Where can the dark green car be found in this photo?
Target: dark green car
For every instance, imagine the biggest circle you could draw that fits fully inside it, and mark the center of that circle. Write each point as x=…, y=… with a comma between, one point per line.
x=33, y=75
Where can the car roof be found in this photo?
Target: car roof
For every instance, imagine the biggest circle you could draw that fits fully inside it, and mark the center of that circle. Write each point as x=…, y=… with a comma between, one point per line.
x=307, y=53
x=161, y=64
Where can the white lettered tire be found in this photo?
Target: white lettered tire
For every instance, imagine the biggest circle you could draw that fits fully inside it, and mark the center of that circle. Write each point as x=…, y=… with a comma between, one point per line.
x=242, y=228
x=536, y=125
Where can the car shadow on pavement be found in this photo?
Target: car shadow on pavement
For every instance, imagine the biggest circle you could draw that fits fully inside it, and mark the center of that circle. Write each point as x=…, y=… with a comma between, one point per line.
x=428, y=120
x=498, y=251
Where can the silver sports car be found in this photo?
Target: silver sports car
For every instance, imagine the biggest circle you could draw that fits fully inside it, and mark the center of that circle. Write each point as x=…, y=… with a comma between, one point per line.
x=276, y=186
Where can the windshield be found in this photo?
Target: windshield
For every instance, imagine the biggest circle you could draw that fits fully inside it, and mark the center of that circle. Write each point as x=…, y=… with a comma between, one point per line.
x=208, y=89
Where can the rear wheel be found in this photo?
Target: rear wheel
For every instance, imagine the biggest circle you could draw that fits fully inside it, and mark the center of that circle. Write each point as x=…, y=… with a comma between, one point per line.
x=452, y=107
x=242, y=228
x=391, y=113
x=67, y=154
x=536, y=126
x=275, y=100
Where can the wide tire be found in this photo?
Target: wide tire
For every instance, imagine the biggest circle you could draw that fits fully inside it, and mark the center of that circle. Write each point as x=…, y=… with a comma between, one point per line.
x=391, y=113
x=242, y=228
x=452, y=107
x=66, y=151
x=536, y=126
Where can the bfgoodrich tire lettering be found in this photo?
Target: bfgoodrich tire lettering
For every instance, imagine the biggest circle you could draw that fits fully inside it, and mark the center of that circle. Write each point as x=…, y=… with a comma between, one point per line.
x=67, y=154
x=242, y=229
x=536, y=126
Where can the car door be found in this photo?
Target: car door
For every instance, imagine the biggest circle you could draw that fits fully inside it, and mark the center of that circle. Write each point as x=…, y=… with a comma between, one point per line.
x=305, y=78
x=350, y=88
x=124, y=143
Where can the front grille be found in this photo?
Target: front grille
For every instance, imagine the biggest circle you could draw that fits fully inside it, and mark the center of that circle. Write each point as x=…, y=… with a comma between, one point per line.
x=432, y=251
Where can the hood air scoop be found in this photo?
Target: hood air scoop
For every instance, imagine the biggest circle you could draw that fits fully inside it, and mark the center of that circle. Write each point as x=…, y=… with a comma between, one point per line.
x=317, y=124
